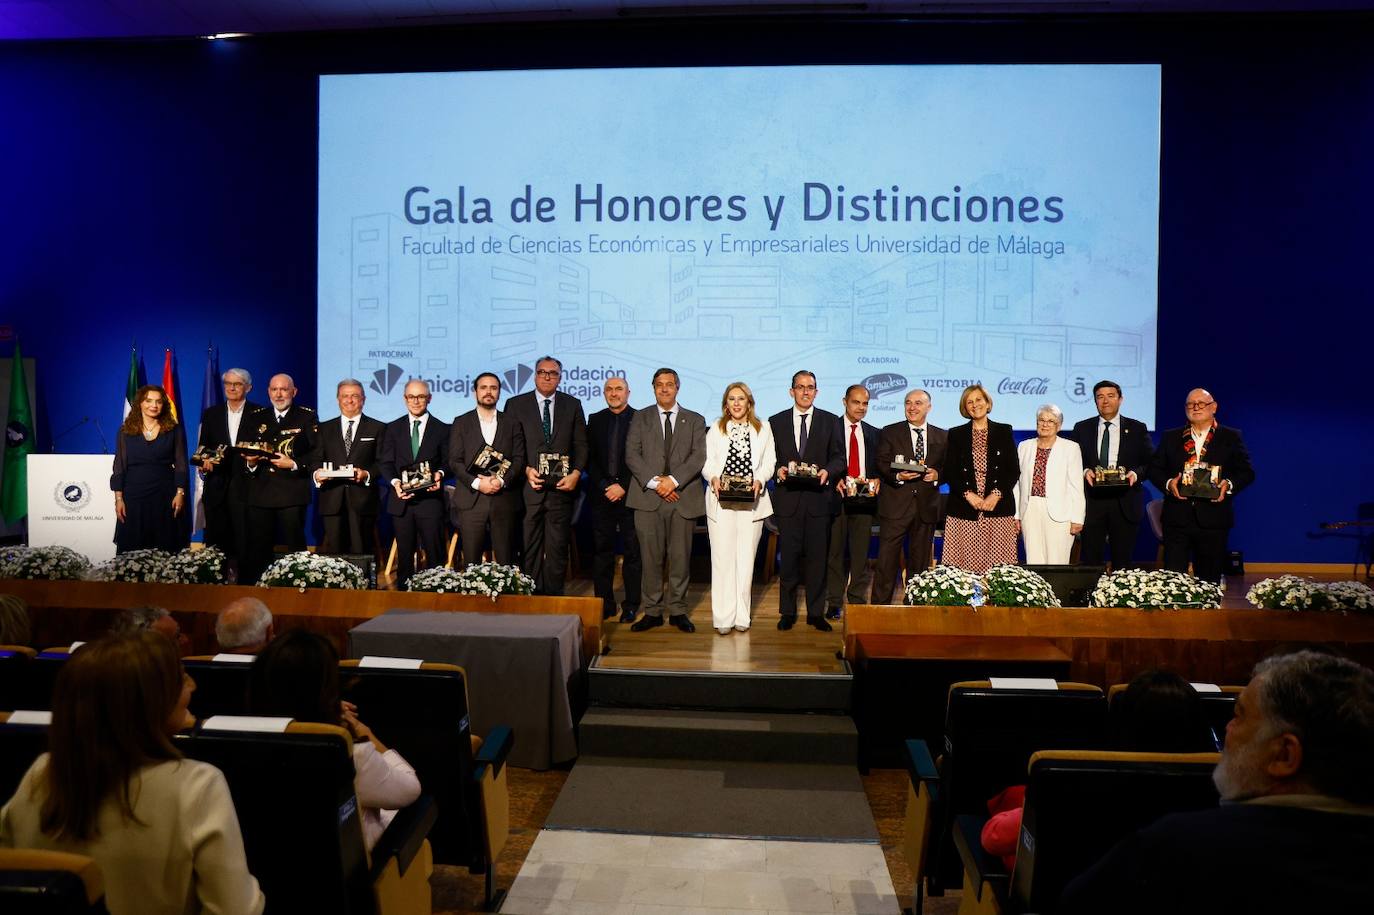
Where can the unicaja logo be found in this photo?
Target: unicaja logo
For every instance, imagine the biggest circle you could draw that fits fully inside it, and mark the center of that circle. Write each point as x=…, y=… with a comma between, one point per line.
x=384, y=380
x=517, y=378
x=884, y=383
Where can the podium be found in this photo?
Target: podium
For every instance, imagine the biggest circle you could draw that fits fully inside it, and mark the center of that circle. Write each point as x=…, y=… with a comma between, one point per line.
x=70, y=503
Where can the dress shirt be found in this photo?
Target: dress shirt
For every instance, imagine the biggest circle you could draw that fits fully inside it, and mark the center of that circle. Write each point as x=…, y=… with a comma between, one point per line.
x=552, y=400
x=488, y=427
x=659, y=411
x=857, y=430
x=410, y=424
x=810, y=428
x=1113, y=439
x=235, y=417
x=1199, y=438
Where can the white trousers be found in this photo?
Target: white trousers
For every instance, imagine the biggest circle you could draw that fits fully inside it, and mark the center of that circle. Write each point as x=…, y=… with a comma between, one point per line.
x=1048, y=542
x=734, y=541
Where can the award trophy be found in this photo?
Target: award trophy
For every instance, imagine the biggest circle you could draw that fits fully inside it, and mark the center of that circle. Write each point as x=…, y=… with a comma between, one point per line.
x=802, y=476
x=1200, y=480
x=1111, y=477
x=900, y=464
x=330, y=472
x=736, y=489
x=552, y=467
x=256, y=447
x=417, y=477
x=206, y=455
x=489, y=462
x=859, y=491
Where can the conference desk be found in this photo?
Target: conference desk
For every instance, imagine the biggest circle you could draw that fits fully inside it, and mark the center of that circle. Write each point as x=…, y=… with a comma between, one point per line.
x=519, y=670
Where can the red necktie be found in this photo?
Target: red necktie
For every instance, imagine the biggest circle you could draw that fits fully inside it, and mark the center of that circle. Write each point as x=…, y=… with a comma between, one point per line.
x=854, y=450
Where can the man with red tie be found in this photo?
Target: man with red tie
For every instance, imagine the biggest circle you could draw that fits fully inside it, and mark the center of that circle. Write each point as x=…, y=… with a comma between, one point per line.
x=852, y=527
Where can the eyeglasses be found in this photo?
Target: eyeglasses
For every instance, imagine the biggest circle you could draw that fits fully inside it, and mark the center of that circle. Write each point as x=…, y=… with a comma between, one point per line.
x=804, y=387
x=416, y=397
x=233, y=384
x=1198, y=404
x=548, y=373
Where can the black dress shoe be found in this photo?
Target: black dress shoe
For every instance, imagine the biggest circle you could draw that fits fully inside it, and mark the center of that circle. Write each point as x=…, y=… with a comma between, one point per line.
x=833, y=613
x=821, y=624
x=786, y=623
x=647, y=622
x=607, y=611
x=682, y=622
x=627, y=614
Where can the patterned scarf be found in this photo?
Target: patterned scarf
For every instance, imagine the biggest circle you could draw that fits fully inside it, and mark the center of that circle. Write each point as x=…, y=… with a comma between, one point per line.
x=1190, y=444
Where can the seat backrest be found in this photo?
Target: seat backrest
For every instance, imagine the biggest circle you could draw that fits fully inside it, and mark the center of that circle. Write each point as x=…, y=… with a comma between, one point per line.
x=20, y=745
x=302, y=830
x=221, y=687
x=14, y=671
x=1081, y=803
x=1215, y=709
x=33, y=680
x=37, y=882
x=423, y=715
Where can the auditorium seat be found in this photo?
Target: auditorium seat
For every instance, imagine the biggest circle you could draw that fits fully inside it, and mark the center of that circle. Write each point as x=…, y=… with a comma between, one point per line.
x=221, y=686
x=14, y=669
x=1079, y=804
x=922, y=802
x=33, y=677
x=423, y=714
x=302, y=829
x=20, y=745
x=1217, y=709
x=990, y=734
x=37, y=882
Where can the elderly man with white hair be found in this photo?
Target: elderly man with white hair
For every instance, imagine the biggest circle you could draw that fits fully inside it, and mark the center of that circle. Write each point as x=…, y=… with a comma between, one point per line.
x=1049, y=495
x=224, y=482
x=244, y=626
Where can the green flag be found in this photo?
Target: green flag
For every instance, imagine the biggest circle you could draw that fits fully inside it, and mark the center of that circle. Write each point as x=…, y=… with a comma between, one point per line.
x=131, y=389
x=14, y=494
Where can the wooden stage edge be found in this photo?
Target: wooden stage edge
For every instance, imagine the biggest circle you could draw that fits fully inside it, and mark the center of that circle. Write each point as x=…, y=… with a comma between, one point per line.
x=89, y=606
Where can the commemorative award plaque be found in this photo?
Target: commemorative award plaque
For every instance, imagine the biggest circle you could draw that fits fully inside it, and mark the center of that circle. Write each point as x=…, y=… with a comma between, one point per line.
x=1200, y=480
x=1111, y=476
x=489, y=462
x=417, y=477
x=552, y=467
x=902, y=464
x=859, y=491
x=802, y=476
x=330, y=472
x=256, y=444
x=206, y=455
x=737, y=490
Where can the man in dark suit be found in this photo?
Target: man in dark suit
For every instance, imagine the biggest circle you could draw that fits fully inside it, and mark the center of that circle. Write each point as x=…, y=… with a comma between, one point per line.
x=485, y=500
x=348, y=506
x=553, y=423
x=665, y=451
x=1295, y=829
x=852, y=527
x=610, y=479
x=1114, y=512
x=1199, y=528
x=224, y=491
x=804, y=434
x=908, y=503
x=279, y=486
x=418, y=517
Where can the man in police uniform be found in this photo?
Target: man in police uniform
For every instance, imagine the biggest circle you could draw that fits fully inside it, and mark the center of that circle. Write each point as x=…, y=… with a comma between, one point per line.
x=278, y=487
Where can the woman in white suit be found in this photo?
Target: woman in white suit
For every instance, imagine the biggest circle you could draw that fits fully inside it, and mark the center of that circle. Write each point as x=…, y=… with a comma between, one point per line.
x=738, y=444
x=1049, y=495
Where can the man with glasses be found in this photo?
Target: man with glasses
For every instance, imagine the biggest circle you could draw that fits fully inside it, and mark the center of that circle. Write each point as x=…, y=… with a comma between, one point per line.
x=417, y=516
x=224, y=482
x=1113, y=512
x=1198, y=528
x=553, y=424
x=806, y=435
x=909, y=502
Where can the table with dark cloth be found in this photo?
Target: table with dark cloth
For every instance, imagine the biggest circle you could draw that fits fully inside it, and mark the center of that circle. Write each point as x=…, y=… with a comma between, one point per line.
x=518, y=666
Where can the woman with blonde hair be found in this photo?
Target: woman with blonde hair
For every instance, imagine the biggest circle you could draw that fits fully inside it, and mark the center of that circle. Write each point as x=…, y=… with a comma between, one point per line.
x=981, y=469
x=737, y=445
x=113, y=786
x=150, y=477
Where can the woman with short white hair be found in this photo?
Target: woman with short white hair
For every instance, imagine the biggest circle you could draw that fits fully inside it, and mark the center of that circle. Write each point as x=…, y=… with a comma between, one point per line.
x=1049, y=495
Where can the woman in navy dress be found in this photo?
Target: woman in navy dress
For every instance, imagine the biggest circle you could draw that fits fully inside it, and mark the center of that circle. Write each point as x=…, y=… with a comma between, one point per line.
x=149, y=479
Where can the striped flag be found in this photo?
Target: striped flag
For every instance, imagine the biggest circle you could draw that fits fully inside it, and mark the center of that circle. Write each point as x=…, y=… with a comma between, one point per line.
x=169, y=383
x=14, y=492
x=133, y=384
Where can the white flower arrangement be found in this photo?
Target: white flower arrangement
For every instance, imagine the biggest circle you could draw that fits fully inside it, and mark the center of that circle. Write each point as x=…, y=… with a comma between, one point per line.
x=1017, y=586
x=1155, y=589
x=1292, y=592
x=52, y=562
x=489, y=579
x=312, y=570
x=8, y=556
x=196, y=567
x=135, y=565
x=942, y=586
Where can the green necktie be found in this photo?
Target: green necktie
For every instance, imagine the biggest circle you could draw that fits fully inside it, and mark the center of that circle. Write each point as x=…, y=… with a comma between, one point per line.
x=415, y=438
x=1104, y=451
x=548, y=425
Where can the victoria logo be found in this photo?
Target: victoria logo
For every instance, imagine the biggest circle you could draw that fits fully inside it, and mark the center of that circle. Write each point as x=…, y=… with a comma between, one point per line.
x=384, y=380
x=884, y=383
x=517, y=378
x=72, y=495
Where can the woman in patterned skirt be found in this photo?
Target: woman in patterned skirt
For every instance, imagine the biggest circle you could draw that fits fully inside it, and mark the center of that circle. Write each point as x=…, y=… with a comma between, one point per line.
x=739, y=445
x=981, y=468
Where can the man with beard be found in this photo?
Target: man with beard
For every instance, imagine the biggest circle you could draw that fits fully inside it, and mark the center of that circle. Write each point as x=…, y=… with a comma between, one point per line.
x=279, y=487
x=485, y=499
x=1295, y=829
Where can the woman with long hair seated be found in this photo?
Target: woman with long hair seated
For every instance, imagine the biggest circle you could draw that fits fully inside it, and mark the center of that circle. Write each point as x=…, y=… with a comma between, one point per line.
x=114, y=787
x=297, y=676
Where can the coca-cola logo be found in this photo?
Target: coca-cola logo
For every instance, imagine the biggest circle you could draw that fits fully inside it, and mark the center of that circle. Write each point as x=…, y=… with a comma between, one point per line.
x=1037, y=386
x=884, y=383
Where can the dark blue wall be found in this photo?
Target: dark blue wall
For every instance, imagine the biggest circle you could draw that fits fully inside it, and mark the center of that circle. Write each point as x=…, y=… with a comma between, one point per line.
x=165, y=193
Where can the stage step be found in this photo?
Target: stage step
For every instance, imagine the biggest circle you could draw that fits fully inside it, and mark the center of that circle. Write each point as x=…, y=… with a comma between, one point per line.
x=735, y=691
x=717, y=735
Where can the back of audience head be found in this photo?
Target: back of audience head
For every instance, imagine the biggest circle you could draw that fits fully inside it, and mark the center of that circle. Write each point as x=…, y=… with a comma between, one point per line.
x=1159, y=712
x=244, y=626
x=1303, y=725
x=297, y=676
x=153, y=619
x=14, y=621
x=116, y=704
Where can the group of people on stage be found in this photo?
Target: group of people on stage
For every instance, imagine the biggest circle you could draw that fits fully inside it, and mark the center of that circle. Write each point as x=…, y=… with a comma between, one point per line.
x=654, y=471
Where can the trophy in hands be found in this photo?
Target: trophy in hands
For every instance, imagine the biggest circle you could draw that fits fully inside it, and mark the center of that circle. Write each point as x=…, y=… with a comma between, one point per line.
x=858, y=491
x=489, y=462
x=1200, y=480
x=736, y=490
x=552, y=467
x=207, y=456
x=1111, y=476
x=417, y=477
x=803, y=476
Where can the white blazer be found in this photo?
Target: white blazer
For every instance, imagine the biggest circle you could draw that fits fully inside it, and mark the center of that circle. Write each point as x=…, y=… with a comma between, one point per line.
x=1064, y=499
x=760, y=449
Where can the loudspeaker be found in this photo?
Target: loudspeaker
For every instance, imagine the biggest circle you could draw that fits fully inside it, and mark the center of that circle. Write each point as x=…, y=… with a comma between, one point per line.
x=1235, y=563
x=1072, y=584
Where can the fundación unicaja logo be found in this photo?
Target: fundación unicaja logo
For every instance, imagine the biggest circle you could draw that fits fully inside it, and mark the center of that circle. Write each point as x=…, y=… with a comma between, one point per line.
x=72, y=495
x=384, y=380
x=517, y=378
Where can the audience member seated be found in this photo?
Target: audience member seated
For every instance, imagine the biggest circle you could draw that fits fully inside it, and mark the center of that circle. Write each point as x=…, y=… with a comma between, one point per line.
x=244, y=627
x=1295, y=829
x=297, y=676
x=1158, y=712
x=152, y=619
x=14, y=621
x=114, y=787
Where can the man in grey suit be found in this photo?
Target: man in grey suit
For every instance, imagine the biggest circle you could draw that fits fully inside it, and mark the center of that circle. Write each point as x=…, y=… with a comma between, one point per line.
x=665, y=451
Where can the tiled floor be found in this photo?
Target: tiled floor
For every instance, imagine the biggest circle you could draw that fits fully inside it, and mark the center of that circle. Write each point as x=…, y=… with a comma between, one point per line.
x=586, y=872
